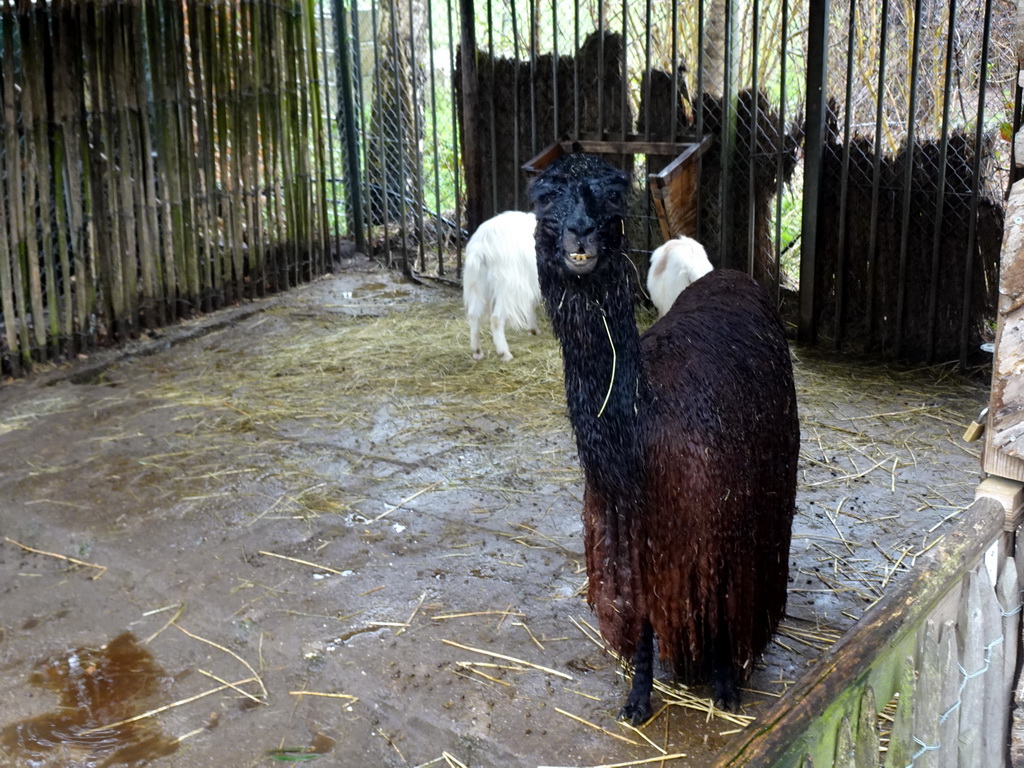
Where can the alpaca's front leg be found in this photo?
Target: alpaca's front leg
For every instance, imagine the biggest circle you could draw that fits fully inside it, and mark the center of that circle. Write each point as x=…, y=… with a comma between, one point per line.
x=637, y=709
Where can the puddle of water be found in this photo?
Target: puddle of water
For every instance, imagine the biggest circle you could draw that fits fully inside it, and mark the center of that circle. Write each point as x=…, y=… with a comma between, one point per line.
x=98, y=687
x=379, y=291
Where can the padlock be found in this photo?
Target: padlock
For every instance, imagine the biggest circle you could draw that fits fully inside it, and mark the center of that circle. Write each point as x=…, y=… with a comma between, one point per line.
x=976, y=428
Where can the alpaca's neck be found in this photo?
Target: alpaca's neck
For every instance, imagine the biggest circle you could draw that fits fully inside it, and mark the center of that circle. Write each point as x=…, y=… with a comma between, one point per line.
x=604, y=383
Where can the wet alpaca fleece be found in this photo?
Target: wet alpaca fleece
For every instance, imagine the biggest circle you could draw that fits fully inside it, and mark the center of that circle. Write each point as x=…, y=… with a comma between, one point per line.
x=688, y=437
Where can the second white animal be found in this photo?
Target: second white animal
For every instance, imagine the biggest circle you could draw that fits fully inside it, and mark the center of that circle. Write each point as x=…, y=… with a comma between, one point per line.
x=499, y=279
x=674, y=265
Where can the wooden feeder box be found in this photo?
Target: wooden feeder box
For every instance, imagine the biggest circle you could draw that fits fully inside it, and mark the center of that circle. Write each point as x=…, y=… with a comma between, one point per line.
x=675, y=190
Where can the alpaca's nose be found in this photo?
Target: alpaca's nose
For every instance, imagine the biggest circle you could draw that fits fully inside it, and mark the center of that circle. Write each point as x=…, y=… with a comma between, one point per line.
x=579, y=223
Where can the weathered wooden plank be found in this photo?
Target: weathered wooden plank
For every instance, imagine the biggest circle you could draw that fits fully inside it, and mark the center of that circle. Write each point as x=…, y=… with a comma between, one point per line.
x=949, y=699
x=885, y=626
x=996, y=696
x=1003, y=450
x=866, y=745
x=901, y=742
x=928, y=695
x=845, y=752
x=973, y=638
x=1008, y=594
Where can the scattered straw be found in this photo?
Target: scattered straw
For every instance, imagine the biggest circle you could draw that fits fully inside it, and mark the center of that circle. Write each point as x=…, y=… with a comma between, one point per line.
x=644, y=761
x=172, y=620
x=447, y=616
x=158, y=710
x=596, y=727
x=405, y=501
x=346, y=696
x=469, y=667
x=228, y=651
x=408, y=622
x=301, y=562
x=513, y=659
x=100, y=568
x=232, y=686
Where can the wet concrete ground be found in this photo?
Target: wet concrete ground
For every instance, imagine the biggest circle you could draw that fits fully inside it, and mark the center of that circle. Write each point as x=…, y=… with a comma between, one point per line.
x=388, y=573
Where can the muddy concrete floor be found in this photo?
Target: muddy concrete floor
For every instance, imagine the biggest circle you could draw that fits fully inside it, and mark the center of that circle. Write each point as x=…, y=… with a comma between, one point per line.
x=322, y=501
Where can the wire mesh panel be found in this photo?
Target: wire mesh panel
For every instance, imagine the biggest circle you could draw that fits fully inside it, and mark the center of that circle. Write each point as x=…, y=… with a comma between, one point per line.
x=399, y=80
x=913, y=172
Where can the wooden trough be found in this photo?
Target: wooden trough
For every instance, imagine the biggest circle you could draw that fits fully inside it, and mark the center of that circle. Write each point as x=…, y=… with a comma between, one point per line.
x=675, y=190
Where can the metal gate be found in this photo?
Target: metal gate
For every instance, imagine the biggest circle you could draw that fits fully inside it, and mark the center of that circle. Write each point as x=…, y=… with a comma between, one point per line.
x=859, y=157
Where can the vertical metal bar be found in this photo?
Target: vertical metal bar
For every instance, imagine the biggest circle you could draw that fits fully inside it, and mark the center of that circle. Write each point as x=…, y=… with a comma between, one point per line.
x=940, y=187
x=456, y=164
x=876, y=174
x=492, y=110
x=755, y=134
x=414, y=70
x=471, y=124
x=439, y=241
x=647, y=72
x=359, y=102
x=349, y=117
x=844, y=184
x=533, y=78
x=780, y=151
x=554, y=69
x=699, y=106
x=972, y=232
x=576, y=70
x=624, y=91
x=908, y=178
x=817, y=76
x=515, y=100
x=401, y=192
x=727, y=137
x=675, y=71
x=382, y=195
x=649, y=216
x=600, y=70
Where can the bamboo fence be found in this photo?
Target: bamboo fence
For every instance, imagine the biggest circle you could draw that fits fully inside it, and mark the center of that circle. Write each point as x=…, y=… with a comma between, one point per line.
x=156, y=159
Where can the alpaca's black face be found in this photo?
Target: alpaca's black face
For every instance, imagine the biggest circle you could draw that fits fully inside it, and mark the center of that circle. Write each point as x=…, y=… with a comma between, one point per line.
x=580, y=202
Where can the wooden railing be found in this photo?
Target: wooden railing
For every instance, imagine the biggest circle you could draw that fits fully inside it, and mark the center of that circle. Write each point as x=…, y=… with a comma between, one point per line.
x=925, y=678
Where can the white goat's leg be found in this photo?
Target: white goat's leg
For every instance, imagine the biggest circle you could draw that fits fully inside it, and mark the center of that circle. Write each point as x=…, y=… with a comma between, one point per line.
x=474, y=336
x=531, y=321
x=498, y=334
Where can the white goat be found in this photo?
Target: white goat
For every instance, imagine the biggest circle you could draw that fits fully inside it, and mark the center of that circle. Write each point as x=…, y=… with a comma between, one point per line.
x=674, y=265
x=499, y=279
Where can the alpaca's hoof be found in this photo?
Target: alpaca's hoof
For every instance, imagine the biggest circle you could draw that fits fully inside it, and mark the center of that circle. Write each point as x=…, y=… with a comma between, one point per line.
x=636, y=712
x=506, y=356
x=534, y=331
x=726, y=695
x=478, y=354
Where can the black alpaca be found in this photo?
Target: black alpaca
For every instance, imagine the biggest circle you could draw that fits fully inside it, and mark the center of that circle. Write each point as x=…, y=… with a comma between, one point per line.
x=688, y=437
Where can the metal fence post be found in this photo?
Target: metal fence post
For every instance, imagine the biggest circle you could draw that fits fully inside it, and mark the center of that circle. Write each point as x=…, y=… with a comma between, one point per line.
x=817, y=71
